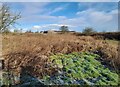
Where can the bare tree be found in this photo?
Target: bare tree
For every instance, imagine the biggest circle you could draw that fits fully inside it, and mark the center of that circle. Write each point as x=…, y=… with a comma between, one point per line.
x=7, y=18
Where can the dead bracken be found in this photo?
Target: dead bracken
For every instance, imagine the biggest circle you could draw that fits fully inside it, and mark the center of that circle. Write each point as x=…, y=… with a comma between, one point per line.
x=34, y=50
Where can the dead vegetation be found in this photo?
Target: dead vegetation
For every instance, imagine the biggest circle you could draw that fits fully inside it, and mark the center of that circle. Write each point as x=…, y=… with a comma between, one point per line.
x=32, y=51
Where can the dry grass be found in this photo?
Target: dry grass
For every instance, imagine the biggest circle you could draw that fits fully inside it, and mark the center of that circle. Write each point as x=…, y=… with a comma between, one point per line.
x=34, y=50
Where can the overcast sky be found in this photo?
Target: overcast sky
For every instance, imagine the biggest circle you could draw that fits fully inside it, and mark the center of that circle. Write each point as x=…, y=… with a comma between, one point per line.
x=102, y=16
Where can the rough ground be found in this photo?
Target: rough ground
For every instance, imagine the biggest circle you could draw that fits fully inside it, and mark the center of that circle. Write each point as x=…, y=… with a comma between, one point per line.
x=30, y=52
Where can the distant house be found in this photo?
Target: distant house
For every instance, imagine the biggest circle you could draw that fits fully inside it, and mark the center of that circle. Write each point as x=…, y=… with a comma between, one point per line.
x=51, y=31
x=48, y=32
x=54, y=31
x=67, y=31
x=71, y=31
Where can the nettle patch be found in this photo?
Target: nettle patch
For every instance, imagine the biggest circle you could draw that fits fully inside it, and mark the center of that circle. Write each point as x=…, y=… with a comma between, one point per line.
x=79, y=69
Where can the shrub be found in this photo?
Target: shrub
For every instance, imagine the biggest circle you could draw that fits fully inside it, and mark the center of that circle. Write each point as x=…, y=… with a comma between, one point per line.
x=64, y=29
x=88, y=31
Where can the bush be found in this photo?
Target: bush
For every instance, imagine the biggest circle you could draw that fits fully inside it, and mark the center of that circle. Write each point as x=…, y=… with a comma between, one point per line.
x=64, y=29
x=6, y=31
x=88, y=31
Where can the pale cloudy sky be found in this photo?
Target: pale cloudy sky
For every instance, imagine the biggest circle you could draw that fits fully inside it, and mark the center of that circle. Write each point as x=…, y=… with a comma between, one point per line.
x=59, y=0
x=76, y=15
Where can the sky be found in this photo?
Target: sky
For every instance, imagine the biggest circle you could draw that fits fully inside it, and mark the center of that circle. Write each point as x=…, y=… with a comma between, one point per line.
x=40, y=16
x=59, y=0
